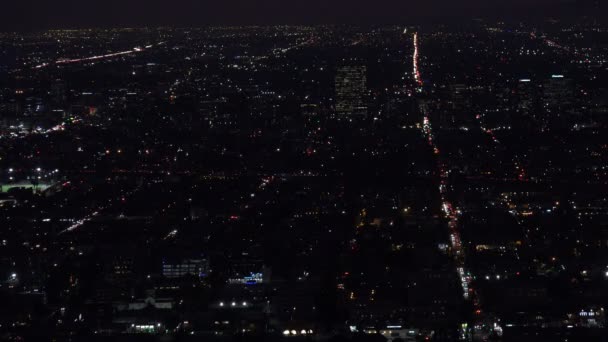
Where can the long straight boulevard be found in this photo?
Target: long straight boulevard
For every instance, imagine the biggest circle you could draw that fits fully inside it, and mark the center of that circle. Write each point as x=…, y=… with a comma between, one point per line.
x=482, y=323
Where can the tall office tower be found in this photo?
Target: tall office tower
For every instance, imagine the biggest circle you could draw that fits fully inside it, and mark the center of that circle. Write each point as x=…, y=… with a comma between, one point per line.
x=526, y=95
x=557, y=98
x=58, y=92
x=558, y=93
x=457, y=96
x=351, y=90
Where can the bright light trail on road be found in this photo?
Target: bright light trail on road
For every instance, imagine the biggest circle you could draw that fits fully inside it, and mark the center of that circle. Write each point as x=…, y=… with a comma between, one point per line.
x=95, y=58
x=417, y=77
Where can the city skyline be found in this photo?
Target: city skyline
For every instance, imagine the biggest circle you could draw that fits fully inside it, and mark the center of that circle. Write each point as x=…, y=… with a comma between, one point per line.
x=443, y=181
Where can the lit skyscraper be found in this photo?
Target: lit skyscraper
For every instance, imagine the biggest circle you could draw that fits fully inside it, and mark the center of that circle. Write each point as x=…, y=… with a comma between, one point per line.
x=351, y=90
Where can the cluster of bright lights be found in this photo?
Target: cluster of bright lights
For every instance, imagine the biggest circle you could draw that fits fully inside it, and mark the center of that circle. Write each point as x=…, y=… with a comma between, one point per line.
x=233, y=304
x=295, y=332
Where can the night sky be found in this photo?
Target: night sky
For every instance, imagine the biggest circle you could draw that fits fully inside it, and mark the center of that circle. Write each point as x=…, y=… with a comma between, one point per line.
x=33, y=14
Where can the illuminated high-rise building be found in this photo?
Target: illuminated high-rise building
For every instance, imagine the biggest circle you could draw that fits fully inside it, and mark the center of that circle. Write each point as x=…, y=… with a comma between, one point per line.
x=557, y=91
x=58, y=92
x=351, y=90
x=527, y=96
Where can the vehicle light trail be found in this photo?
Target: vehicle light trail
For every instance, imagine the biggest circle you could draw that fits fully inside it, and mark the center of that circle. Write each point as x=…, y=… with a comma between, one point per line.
x=120, y=200
x=451, y=213
x=87, y=59
x=556, y=45
x=416, y=69
x=446, y=206
x=59, y=127
x=96, y=58
x=487, y=131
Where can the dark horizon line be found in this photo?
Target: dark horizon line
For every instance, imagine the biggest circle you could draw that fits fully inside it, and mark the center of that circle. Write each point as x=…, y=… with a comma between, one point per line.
x=436, y=21
x=92, y=15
